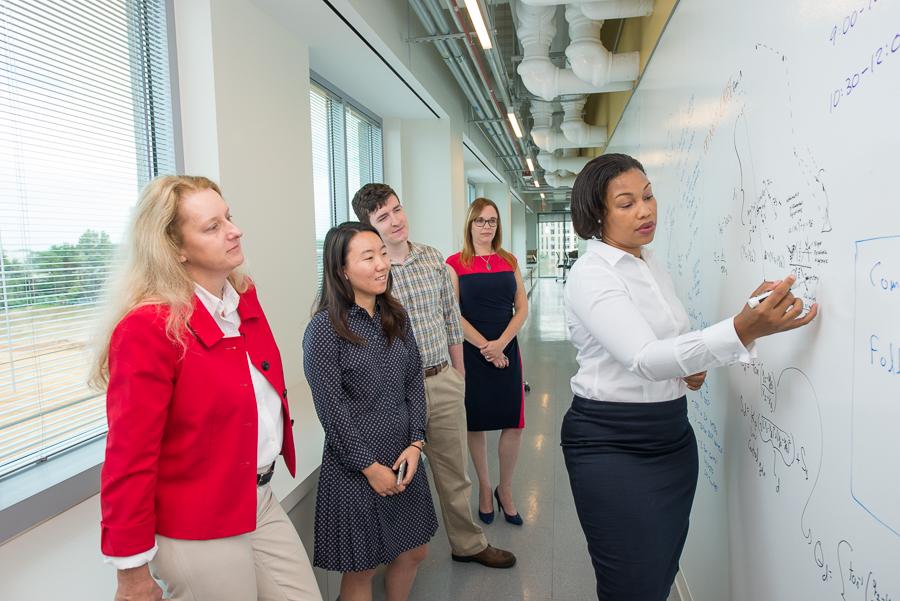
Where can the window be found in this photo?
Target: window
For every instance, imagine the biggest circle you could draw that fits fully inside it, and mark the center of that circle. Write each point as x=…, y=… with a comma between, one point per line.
x=346, y=155
x=556, y=236
x=85, y=122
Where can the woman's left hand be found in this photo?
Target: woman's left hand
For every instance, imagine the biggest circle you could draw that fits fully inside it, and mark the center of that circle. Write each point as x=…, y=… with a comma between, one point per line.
x=411, y=456
x=695, y=381
x=493, y=350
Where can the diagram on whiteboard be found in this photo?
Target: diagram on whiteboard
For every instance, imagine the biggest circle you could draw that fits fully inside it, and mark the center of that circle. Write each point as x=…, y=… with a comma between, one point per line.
x=876, y=378
x=776, y=219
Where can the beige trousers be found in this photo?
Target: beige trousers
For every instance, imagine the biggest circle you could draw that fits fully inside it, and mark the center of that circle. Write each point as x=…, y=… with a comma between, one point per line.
x=268, y=564
x=448, y=458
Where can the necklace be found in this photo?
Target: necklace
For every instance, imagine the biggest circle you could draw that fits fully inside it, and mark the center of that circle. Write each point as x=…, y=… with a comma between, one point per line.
x=487, y=261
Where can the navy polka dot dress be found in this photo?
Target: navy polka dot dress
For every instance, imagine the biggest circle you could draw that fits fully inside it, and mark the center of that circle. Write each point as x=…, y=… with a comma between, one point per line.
x=371, y=402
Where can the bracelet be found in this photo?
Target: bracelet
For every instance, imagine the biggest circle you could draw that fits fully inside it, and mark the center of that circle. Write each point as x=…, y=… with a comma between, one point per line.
x=414, y=445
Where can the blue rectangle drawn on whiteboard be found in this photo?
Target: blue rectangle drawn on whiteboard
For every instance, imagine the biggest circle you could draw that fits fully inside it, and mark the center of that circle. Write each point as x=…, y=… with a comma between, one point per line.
x=875, y=410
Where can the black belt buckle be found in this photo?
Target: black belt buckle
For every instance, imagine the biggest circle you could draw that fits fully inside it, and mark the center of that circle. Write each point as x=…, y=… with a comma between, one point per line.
x=264, y=478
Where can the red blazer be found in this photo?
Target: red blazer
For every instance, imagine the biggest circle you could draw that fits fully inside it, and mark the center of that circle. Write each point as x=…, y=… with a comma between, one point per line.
x=181, y=449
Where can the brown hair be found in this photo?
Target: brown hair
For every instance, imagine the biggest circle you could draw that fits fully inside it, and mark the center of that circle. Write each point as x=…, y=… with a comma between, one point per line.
x=336, y=294
x=468, y=251
x=369, y=199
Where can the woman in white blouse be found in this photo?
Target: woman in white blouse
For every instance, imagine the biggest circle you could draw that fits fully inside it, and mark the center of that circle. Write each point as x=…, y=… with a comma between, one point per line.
x=629, y=448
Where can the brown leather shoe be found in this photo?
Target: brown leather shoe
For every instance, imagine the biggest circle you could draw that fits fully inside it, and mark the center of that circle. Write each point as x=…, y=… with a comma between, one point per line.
x=491, y=557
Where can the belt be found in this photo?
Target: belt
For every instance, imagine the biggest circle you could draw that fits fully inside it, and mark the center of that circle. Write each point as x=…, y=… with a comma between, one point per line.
x=264, y=478
x=435, y=369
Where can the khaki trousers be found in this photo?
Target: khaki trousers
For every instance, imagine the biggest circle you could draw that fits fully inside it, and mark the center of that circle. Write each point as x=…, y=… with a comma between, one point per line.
x=448, y=459
x=268, y=564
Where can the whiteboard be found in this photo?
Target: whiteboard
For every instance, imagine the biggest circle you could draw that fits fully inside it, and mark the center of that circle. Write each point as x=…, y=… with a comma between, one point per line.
x=769, y=130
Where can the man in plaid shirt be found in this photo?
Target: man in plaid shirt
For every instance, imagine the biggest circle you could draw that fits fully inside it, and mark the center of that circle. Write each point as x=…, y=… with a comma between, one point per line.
x=422, y=284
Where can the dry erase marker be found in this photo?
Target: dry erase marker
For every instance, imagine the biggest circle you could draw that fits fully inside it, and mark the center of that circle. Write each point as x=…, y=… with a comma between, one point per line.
x=753, y=301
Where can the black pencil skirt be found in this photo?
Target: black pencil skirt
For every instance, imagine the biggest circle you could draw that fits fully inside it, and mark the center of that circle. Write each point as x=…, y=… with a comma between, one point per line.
x=633, y=471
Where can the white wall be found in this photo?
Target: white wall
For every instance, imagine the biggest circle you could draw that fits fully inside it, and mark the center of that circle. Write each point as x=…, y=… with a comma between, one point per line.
x=426, y=170
x=518, y=235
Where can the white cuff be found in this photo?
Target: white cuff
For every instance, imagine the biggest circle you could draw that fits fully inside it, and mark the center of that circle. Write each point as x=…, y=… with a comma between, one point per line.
x=132, y=561
x=722, y=341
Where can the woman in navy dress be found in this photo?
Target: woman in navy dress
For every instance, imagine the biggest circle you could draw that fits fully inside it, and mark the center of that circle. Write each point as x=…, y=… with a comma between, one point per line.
x=362, y=364
x=494, y=305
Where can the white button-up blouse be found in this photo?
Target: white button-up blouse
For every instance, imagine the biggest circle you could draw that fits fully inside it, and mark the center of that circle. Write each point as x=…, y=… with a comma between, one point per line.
x=632, y=335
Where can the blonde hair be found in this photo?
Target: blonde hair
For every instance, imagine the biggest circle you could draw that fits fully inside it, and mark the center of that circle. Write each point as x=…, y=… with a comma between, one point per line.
x=468, y=251
x=152, y=273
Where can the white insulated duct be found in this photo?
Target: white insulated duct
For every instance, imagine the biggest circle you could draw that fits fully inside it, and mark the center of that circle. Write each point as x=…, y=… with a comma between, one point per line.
x=590, y=60
x=580, y=134
x=562, y=165
x=559, y=181
x=536, y=30
x=603, y=9
x=574, y=128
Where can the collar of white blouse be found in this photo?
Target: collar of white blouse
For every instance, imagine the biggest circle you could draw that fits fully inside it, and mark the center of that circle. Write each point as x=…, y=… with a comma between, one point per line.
x=613, y=255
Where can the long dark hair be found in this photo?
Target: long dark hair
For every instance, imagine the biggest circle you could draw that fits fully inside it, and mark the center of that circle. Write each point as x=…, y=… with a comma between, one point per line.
x=336, y=294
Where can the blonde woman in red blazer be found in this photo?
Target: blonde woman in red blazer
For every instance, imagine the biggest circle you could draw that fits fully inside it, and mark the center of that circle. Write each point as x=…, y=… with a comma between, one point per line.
x=197, y=412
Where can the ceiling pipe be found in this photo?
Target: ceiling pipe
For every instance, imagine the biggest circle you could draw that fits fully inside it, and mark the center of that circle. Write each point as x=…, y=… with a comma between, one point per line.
x=613, y=9
x=574, y=128
x=449, y=59
x=571, y=165
x=590, y=59
x=617, y=9
x=536, y=30
x=559, y=181
x=482, y=72
x=542, y=132
x=575, y=132
x=462, y=72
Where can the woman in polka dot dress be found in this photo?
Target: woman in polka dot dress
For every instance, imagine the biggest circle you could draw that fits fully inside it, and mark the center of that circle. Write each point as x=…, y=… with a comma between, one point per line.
x=362, y=364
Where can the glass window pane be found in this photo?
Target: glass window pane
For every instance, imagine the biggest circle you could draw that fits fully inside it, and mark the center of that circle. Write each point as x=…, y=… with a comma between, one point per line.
x=85, y=122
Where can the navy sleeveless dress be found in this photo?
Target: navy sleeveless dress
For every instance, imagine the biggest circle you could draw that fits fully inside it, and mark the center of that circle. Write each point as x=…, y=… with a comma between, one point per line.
x=494, y=397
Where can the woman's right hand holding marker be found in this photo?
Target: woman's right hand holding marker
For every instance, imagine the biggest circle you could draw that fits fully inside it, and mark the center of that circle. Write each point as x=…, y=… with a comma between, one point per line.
x=779, y=312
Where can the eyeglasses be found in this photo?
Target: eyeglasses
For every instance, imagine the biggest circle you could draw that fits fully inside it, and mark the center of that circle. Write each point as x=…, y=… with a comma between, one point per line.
x=492, y=222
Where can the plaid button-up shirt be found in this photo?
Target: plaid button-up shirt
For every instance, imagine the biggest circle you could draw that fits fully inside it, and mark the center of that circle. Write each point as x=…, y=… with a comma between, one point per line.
x=422, y=284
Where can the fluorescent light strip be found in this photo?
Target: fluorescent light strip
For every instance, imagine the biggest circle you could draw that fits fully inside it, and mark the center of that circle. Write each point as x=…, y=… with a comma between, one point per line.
x=515, y=125
x=543, y=196
x=478, y=22
x=537, y=184
x=530, y=163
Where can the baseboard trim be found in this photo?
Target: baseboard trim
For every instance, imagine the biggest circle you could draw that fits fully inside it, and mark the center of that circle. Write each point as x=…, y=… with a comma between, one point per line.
x=684, y=593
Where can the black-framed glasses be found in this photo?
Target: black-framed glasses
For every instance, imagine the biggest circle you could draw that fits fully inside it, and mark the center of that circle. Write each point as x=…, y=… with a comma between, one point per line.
x=482, y=223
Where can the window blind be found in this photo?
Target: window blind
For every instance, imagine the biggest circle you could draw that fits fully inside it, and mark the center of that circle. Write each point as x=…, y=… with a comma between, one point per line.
x=347, y=154
x=85, y=122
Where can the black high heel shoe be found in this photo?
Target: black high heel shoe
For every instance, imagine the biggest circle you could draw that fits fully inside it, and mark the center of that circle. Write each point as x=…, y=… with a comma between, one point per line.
x=487, y=518
x=515, y=520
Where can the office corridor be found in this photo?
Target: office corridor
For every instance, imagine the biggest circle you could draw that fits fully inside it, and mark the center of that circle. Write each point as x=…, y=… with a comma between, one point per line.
x=553, y=562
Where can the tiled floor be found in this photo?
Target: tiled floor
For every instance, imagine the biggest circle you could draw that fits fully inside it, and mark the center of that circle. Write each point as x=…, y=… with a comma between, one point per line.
x=553, y=563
